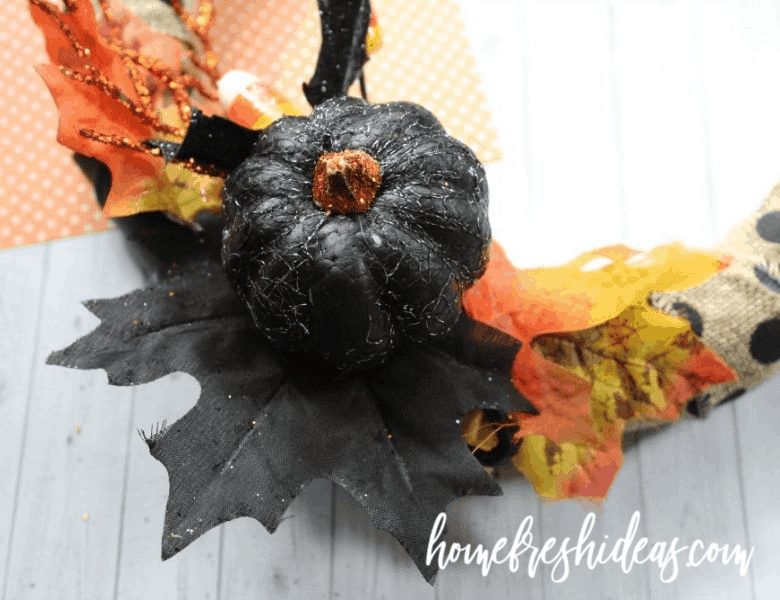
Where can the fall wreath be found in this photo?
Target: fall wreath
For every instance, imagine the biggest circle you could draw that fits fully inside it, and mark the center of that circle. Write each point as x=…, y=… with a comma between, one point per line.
x=346, y=312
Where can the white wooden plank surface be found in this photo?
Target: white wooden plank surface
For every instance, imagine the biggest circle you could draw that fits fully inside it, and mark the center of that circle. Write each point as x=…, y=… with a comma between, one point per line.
x=576, y=194
x=21, y=279
x=65, y=522
x=759, y=453
x=691, y=478
x=640, y=121
x=484, y=521
x=739, y=53
x=368, y=563
x=294, y=562
x=663, y=129
x=141, y=574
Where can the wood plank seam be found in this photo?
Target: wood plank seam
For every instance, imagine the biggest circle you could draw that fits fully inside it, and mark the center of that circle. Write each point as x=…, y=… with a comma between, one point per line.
x=27, y=410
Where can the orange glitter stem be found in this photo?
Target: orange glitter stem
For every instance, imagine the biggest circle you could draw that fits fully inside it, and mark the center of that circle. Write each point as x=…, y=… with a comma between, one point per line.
x=157, y=69
x=127, y=143
x=50, y=10
x=95, y=78
x=200, y=27
x=117, y=141
x=120, y=48
x=195, y=167
x=346, y=181
x=108, y=88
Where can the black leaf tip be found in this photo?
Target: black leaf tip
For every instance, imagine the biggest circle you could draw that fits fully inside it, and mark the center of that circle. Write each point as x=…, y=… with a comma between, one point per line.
x=56, y=358
x=170, y=547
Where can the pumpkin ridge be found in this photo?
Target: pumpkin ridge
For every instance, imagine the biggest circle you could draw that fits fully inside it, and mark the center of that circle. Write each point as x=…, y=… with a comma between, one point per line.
x=387, y=297
x=273, y=244
x=407, y=222
x=353, y=286
x=386, y=254
x=258, y=176
x=346, y=276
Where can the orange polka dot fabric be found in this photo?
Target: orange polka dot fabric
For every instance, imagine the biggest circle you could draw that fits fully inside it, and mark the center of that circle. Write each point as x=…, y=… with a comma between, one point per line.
x=43, y=195
x=424, y=58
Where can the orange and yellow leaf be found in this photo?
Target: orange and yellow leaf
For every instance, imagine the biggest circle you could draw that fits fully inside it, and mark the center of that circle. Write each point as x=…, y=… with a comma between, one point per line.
x=595, y=356
x=114, y=82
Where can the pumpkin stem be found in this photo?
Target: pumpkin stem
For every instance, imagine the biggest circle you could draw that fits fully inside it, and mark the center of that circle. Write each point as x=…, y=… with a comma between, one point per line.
x=346, y=181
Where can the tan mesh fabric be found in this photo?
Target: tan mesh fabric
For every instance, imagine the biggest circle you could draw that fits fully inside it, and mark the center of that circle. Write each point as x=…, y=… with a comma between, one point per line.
x=738, y=311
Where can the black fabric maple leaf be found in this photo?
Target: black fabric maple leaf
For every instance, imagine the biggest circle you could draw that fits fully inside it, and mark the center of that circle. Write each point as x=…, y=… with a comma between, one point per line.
x=268, y=423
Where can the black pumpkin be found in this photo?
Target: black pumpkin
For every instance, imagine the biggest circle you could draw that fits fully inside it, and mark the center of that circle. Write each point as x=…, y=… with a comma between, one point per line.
x=355, y=230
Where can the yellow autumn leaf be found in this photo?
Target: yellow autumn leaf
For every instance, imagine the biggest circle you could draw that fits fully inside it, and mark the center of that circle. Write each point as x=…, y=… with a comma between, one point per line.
x=568, y=469
x=479, y=433
x=629, y=277
x=634, y=364
x=595, y=355
x=178, y=191
x=374, y=38
x=638, y=366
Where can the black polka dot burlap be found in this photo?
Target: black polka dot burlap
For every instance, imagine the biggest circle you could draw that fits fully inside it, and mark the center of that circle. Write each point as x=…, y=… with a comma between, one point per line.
x=737, y=312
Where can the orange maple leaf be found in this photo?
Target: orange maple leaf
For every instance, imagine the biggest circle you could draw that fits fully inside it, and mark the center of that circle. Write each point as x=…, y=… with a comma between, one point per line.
x=82, y=108
x=110, y=91
x=570, y=469
x=75, y=28
x=594, y=356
